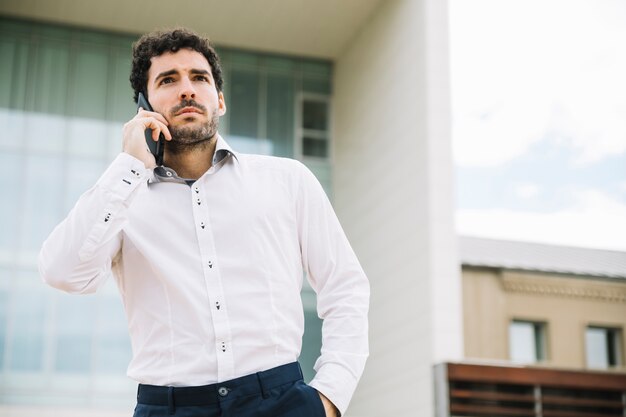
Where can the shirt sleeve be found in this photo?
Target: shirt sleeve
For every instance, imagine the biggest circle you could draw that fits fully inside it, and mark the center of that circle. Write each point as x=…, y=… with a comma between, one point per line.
x=78, y=254
x=342, y=294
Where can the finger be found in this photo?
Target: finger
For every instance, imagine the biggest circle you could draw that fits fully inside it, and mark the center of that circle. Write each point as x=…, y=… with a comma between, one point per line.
x=157, y=128
x=148, y=113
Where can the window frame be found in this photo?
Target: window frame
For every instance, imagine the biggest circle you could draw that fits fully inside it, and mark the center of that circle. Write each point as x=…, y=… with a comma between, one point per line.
x=613, y=332
x=540, y=340
x=300, y=132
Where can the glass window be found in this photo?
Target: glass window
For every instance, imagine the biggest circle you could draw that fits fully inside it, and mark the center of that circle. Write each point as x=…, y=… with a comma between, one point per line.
x=113, y=351
x=244, y=100
x=314, y=115
x=527, y=342
x=43, y=197
x=82, y=174
x=50, y=81
x=603, y=347
x=75, y=317
x=280, y=110
x=45, y=133
x=27, y=314
x=311, y=340
x=314, y=147
x=88, y=98
x=314, y=127
x=4, y=302
x=10, y=163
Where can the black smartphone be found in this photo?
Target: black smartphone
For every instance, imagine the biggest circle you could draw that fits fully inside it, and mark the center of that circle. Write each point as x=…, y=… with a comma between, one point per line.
x=156, y=148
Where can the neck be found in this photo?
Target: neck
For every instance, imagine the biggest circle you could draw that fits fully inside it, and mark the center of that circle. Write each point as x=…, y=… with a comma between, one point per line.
x=190, y=161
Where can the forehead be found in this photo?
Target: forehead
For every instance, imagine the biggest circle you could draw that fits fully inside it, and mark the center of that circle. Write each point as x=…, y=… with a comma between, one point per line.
x=181, y=60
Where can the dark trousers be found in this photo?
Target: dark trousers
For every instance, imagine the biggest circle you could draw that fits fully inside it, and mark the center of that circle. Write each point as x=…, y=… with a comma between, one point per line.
x=277, y=392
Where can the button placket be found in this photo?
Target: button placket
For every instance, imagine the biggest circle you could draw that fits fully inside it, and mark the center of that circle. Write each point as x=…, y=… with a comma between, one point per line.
x=212, y=280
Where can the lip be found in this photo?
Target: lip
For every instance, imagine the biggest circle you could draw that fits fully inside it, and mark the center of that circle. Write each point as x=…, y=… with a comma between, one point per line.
x=187, y=110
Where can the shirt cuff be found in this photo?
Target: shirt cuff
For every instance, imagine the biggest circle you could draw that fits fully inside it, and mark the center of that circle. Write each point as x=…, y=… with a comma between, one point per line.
x=123, y=176
x=336, y=383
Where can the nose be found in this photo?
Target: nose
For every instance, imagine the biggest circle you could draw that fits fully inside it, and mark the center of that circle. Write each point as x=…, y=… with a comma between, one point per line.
x=187, y=91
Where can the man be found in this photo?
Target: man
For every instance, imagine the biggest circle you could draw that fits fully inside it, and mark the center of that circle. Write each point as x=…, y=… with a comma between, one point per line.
x=208, y=252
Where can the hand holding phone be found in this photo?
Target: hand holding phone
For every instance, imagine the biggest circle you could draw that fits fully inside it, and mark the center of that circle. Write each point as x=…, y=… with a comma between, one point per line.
x=156, y=147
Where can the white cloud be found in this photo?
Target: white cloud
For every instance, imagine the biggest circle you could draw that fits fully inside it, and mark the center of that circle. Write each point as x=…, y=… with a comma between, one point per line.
x=526, y=190
x=540, y=69
x=596, y=221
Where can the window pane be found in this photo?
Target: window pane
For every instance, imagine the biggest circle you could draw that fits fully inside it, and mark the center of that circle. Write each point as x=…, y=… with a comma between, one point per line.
x=28, y=309
x=10, y=171
x=113, y=352
x=45, y=133
x=121, y=105
x=4, y=303
x=89, y=85
x=280, y=104
x=244, y=100
x=317, y=85
x=7, y=51
x=82, y=174
x=597, y=349
x=51, y=80
x=42, y=209
x=87, y=137
x=522, y=342
x=315, y=115
x=311, y=340
x=75, y=316
x=614, y=341
x=19, y=76
x=14, y=124
x=315, y=147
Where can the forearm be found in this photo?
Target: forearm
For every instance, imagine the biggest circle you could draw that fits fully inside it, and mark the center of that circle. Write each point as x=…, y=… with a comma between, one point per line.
x=77, y=255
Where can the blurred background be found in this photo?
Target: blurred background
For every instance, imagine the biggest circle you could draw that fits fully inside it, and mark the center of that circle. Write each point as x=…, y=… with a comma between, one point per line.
x=475, y=152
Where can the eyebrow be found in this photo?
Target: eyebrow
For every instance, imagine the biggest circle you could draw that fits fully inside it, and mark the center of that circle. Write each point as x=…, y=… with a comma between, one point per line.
x=174, y=72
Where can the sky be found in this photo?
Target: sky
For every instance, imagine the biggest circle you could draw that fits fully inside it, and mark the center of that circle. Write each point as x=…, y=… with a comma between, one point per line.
x=539, y=120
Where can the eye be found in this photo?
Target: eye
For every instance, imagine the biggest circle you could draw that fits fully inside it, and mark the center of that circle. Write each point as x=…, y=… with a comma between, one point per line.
x=201, y=78
x=166, y=80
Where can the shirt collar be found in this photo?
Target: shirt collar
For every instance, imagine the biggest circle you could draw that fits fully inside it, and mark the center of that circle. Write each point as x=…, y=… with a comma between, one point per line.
x=166, y=174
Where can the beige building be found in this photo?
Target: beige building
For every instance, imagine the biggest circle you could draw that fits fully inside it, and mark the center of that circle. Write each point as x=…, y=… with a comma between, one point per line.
x=555, y=306
x=544, y=333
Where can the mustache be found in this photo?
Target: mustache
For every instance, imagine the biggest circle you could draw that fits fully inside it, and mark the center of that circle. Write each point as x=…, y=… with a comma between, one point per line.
x=188, y=103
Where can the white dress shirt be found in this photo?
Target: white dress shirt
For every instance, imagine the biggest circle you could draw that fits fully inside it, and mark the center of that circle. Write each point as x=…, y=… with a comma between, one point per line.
x=210, y=273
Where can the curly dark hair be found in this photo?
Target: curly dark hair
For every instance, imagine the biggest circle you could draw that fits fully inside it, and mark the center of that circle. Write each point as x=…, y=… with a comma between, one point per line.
x=156, y=43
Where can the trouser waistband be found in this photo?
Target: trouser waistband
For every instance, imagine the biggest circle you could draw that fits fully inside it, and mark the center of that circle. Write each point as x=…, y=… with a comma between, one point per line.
x=258, y=383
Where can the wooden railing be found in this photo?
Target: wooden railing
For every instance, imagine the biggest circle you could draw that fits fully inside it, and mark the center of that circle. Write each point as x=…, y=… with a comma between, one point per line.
x=488, y=391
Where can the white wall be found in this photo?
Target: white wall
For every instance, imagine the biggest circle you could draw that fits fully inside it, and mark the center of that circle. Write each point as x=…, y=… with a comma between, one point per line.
x=393, y=193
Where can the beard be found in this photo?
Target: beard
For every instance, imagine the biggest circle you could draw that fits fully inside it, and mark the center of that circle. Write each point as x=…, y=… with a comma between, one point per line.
x=190, y=138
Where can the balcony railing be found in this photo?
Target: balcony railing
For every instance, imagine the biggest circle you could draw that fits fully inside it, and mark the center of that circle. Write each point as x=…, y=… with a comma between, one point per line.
x=488, y=391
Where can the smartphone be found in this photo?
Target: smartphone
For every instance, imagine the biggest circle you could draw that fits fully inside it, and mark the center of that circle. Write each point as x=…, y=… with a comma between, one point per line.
x=156, y=148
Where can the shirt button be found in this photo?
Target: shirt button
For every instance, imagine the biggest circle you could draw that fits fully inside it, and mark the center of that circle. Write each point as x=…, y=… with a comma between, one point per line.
x=169, y=174
x=223, y=391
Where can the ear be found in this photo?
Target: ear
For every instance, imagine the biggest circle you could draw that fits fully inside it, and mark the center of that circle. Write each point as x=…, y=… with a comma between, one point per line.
x=222, y=104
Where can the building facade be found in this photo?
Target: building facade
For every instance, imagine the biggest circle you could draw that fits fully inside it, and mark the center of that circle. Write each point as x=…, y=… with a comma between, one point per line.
x=359, y=93
x=544, y=305
x=544, y=333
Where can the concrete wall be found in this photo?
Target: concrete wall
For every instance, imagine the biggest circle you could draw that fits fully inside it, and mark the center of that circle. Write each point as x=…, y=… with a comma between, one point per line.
x=393, y=194
x=566, y=304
